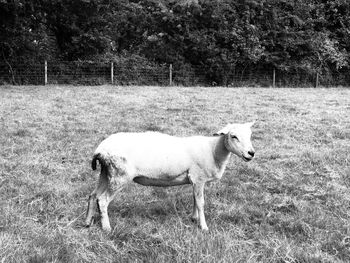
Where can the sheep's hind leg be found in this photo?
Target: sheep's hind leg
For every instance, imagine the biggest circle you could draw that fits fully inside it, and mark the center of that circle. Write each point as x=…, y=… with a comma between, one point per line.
x=117, y=183
x=90, y=210
x=103, y=202
x=101, y=188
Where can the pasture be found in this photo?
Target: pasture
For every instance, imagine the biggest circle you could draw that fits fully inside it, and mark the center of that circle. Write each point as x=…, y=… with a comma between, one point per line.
x=290, y=204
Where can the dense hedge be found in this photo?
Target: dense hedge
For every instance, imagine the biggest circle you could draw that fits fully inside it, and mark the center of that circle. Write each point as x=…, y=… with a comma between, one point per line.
x=219, y=37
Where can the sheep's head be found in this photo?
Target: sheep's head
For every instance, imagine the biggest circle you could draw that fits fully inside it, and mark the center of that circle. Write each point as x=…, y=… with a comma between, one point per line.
x=238, y=140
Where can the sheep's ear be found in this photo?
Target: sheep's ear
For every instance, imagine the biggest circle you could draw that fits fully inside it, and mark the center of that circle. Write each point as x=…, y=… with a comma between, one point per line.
x=252, y=123
x=223, y=131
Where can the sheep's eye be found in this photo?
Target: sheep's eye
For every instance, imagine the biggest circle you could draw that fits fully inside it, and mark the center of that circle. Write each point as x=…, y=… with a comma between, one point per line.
x=234, y=137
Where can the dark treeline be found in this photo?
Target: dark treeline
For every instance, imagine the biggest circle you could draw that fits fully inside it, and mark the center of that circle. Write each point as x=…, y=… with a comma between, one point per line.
x=216, y=35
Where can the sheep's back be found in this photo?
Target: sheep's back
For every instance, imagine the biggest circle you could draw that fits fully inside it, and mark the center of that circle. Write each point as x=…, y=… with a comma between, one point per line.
x=150, y=153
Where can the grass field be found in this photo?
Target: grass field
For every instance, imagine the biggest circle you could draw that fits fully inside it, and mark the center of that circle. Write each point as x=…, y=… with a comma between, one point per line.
x=290, y=204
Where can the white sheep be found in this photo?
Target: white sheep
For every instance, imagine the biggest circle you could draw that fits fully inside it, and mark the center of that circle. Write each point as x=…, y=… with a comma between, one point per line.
x=156, y=159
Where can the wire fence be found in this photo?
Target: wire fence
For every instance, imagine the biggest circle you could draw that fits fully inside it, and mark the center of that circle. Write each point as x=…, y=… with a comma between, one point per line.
x=98, y=73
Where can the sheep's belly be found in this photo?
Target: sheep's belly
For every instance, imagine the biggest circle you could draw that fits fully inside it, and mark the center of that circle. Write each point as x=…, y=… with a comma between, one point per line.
x=149, y=181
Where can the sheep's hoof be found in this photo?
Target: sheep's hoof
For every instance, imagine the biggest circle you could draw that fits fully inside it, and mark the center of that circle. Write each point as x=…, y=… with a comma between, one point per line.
x=194, y=217
x=204, y=228
x=106, y=226
x=107, y=229
x=89, y=222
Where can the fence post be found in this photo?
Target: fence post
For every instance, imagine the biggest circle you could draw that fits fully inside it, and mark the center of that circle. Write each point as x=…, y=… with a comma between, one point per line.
x=112, y=73
x=170, y=74
x=274, y=78
x=316, y=84
x=45, y=81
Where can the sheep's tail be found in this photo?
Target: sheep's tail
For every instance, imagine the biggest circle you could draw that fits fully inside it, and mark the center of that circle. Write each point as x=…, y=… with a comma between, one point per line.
x=109, y=165
x=98, y=157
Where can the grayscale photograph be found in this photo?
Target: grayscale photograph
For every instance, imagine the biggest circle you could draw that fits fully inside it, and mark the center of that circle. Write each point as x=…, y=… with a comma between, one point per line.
x=205, y=131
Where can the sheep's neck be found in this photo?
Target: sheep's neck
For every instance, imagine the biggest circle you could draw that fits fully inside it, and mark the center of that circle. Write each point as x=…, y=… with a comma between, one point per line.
x=221, y=154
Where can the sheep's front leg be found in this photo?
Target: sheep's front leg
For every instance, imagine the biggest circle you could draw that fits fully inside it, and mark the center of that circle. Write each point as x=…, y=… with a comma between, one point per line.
x=194, y=216
x=198, y=191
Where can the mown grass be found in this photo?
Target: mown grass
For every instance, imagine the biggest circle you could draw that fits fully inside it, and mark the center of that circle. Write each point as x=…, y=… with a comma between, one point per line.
x=291, y=204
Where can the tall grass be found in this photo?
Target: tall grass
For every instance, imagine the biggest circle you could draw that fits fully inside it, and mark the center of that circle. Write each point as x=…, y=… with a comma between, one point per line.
x=291, y=204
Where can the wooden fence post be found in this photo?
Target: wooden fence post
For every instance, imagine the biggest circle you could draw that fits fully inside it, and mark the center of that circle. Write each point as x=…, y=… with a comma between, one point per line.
x=170, y=74
x=317, y=80
x=274, y=78
x=112, y=73
x=45, y=81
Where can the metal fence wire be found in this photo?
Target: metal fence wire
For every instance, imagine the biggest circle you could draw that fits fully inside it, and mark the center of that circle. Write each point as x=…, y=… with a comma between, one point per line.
x=98, y=73
x=77, y=72
x=22, y=73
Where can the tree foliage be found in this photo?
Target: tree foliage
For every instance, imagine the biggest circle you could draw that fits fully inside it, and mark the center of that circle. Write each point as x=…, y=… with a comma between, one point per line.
x=217, y=35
